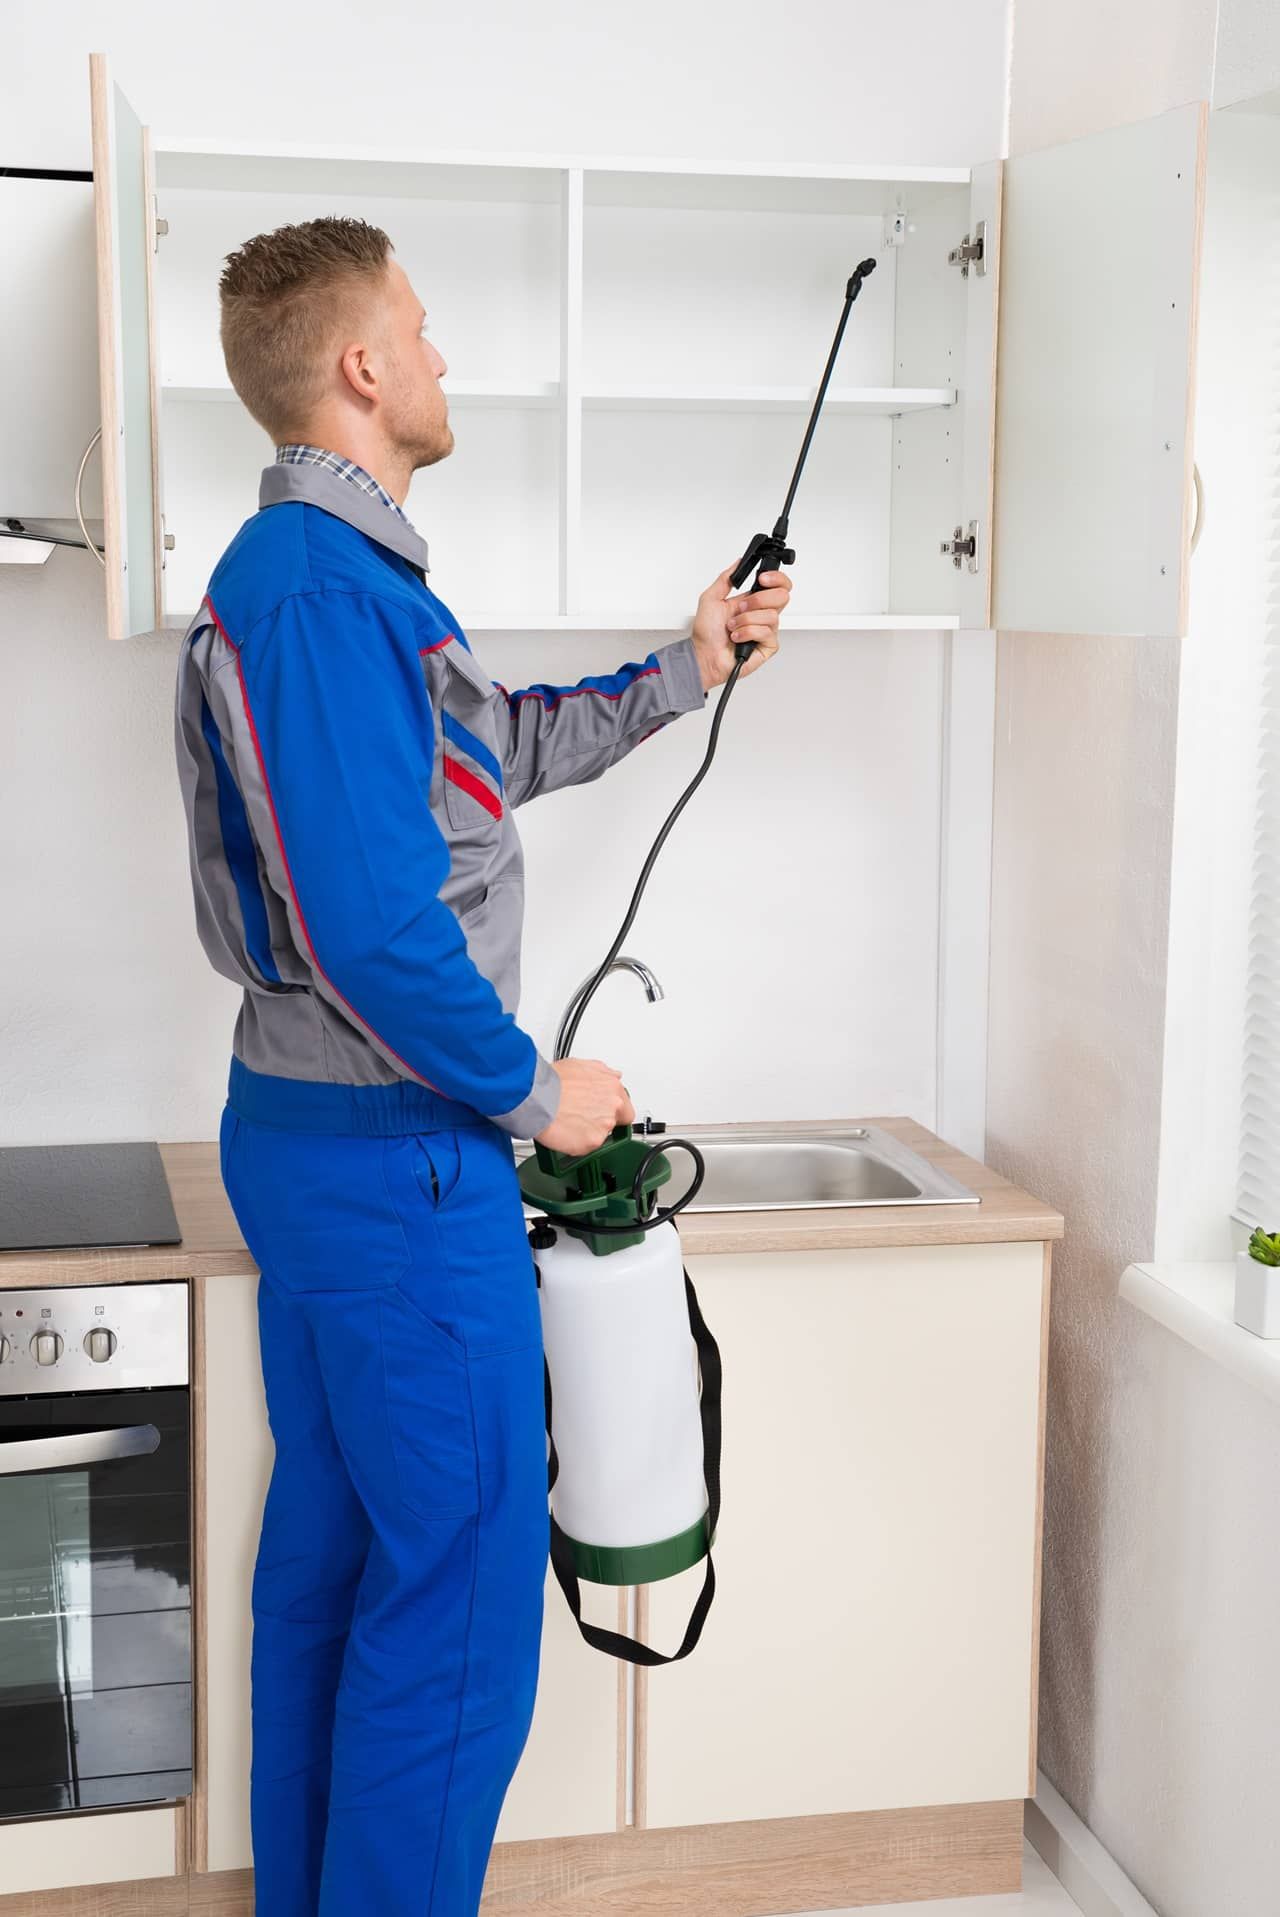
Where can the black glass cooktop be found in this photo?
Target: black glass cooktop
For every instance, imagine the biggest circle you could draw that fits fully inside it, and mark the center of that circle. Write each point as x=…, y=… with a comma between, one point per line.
x=66, y=1196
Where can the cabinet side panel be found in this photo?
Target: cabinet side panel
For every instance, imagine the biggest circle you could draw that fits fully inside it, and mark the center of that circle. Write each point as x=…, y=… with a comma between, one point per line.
x=1099, y=258
x=238, y=1455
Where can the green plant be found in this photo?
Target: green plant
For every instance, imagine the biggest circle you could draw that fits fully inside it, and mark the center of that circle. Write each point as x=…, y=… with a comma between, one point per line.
x=1265, y=1247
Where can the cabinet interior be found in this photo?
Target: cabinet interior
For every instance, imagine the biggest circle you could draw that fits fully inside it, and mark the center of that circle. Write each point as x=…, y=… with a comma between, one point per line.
x=631, y=358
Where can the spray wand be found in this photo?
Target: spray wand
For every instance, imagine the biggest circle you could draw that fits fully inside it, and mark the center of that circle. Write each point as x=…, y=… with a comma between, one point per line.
x=766, y=552
x=769, y=551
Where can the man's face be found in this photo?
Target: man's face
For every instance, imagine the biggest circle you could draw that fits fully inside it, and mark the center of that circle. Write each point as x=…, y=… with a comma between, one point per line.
x=416, y=412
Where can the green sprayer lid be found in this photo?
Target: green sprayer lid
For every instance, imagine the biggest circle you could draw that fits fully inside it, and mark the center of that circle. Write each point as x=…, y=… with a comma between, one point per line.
x=597, y=1188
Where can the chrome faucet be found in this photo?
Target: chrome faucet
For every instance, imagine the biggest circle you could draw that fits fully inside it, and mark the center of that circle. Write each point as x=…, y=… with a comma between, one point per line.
x=652, y=991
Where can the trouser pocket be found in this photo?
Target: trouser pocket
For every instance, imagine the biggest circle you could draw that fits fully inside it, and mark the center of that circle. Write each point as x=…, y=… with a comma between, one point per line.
x=315, y=1208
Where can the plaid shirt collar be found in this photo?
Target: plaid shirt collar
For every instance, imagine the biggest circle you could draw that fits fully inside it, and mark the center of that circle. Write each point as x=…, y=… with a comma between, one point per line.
x=299, y=455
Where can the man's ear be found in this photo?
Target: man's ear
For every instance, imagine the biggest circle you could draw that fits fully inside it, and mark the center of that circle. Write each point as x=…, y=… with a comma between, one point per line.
x=359, y=370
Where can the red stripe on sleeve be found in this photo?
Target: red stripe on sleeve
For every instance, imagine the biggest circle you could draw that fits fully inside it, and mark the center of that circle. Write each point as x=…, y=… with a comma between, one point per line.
x=455, y=771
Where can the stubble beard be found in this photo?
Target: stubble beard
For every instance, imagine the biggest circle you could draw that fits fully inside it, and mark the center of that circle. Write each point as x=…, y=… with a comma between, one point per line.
x=429, y=452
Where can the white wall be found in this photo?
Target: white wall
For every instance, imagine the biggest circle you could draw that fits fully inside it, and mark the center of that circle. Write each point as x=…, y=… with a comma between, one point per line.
x=1160, y=1692
x=1248, y=60
x=1090, y=64
x=921, y=84
x=793, y=920
x=1177, y=1702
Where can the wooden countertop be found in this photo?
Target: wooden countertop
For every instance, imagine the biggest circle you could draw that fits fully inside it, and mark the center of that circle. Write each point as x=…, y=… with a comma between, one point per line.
x=212, y=1246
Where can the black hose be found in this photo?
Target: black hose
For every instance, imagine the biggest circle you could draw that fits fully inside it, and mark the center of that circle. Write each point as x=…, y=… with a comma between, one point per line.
x=679, y=806
x=656, y=1218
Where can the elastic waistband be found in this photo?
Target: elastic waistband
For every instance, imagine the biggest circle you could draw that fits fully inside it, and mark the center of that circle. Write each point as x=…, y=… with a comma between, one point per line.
x=312, y=1105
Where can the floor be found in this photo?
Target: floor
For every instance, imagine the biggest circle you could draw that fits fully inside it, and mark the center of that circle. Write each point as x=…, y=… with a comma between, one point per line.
x=1041, y=1896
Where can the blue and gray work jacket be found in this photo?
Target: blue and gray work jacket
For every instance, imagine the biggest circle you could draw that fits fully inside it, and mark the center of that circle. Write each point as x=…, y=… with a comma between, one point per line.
x=349, y=773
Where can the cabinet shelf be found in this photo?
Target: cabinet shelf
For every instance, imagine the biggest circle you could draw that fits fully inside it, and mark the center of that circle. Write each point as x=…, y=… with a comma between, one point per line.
x=882, y=401
x=885, y=401
x=664, y=626
x=471, y=392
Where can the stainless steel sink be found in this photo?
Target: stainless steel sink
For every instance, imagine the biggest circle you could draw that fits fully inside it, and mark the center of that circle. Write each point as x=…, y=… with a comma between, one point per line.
x=830, y=1165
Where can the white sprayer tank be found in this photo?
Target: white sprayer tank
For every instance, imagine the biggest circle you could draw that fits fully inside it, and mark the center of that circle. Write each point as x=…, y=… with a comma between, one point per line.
x=631, y=1495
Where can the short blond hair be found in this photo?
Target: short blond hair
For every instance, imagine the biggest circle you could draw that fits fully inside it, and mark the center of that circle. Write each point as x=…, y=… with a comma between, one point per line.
x=282, y=294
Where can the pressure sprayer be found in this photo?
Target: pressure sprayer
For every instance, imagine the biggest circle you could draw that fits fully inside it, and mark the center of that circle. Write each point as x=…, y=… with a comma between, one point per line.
x=633, y=1428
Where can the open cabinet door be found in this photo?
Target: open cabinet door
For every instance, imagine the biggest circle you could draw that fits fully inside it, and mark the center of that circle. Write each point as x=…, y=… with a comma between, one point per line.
x=124, y=224
x=1100, y=272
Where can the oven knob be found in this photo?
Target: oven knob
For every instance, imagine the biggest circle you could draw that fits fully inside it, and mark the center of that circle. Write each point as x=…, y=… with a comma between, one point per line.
x=46, y=1347
x=100, y=1343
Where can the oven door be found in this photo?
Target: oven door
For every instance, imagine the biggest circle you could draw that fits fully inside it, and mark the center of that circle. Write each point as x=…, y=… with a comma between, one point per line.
x=95, y=1601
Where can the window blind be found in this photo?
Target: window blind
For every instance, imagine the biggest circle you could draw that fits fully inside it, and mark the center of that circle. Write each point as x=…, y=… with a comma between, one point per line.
x=1258, y=1201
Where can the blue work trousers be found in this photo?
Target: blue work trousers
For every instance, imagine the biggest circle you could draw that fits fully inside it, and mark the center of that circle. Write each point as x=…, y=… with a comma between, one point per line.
x=397, y=1596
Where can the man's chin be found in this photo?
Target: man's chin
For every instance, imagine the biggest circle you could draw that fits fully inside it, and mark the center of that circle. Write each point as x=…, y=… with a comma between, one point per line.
x=438, y=449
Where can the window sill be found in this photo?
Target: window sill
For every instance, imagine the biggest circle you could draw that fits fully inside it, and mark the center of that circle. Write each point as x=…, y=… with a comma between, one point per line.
x=1197, y=1303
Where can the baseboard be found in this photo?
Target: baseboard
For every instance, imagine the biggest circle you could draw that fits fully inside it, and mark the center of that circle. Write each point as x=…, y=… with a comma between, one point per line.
x=1086, y=1871
x=751, y=1869
x=225, y=1893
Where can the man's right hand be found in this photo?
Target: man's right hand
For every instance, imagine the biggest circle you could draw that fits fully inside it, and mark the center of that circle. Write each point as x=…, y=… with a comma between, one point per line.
x=593, y=1099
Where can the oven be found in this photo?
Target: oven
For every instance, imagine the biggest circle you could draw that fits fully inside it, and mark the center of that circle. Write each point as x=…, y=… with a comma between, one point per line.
x=95, y=1548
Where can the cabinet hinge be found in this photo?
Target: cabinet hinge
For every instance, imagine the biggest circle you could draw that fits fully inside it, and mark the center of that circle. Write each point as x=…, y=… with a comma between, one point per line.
x=962, y=546
x=161, y=225
x=971, y=252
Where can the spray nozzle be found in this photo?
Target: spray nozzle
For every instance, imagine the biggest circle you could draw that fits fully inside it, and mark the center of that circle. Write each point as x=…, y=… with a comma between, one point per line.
x=860, y=272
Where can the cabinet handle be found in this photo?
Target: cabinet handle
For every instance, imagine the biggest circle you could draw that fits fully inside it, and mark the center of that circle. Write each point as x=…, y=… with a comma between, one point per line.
x=101, y=557
x=1198, y=527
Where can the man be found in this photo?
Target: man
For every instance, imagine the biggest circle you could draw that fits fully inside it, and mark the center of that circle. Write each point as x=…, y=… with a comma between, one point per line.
x=348, y=773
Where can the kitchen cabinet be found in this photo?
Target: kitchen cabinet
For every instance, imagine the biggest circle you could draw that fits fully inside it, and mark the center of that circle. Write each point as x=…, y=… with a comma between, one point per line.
x=566, y=1781
x=50, y=416
x=602, y=362
x=857, y=1725
x=872, y=1644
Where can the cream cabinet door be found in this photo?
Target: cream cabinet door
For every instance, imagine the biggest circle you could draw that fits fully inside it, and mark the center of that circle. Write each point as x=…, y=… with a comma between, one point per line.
x=1100, y=282
x=566, y=1781
x=872, y=1639
x=125, y=232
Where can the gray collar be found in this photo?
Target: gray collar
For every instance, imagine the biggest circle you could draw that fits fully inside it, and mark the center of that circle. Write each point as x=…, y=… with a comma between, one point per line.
x=316, y=486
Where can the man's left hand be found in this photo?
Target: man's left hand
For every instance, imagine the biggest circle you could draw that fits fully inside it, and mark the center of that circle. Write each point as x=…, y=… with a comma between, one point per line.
x=724, y=620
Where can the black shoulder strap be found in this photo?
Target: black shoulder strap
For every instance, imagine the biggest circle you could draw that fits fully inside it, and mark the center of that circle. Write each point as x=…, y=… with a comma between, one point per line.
x=614, y=1642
